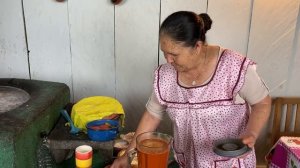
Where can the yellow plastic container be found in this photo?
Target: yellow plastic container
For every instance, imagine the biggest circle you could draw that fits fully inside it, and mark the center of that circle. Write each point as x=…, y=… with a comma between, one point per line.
x=83, y=163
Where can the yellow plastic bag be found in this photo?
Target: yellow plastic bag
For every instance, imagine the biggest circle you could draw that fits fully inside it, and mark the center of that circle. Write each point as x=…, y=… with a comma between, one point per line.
x=95, y=108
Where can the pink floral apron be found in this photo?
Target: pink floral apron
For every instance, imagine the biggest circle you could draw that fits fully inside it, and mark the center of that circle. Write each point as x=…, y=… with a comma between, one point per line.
x=203, y=114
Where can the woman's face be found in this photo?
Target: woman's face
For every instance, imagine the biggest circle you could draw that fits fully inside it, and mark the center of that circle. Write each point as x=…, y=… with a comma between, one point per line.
x=182, y=58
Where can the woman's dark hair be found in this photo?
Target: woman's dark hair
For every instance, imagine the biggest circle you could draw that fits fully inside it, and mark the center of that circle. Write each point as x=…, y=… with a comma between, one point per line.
x=186, y=27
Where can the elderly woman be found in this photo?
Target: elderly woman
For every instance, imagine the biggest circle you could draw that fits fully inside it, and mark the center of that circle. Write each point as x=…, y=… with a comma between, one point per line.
x=209, y=92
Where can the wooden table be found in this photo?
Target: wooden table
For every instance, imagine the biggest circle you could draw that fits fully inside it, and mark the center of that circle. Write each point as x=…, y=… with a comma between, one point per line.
x=61, y=142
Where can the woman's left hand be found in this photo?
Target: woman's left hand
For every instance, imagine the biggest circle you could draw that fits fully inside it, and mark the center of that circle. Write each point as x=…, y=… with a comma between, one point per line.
x=249, y=139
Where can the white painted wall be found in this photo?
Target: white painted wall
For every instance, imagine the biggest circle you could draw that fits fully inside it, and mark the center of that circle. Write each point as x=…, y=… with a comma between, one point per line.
x=136, y=46
x=231, y=24
x=92, y=46
x=48, y=40
x=13, y=51
x=101, y=49
x=273, y=44
x=292, y=85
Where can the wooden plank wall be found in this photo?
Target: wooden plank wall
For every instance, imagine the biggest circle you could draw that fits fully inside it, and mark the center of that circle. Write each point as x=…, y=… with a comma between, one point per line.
x=136, y=46
x=101, y=49
x=92, y=46
x=48, y=40
x=13, y=50
x=231, y=24
x=272, y=44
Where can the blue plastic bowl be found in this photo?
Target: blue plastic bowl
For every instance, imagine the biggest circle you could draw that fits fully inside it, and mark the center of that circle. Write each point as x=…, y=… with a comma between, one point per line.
x=102, y=135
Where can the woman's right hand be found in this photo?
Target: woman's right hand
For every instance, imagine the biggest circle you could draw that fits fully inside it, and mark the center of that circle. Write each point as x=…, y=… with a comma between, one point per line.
x=121, y=162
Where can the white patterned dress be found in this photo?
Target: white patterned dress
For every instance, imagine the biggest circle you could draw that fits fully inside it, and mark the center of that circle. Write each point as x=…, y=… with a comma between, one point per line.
x=203, y=114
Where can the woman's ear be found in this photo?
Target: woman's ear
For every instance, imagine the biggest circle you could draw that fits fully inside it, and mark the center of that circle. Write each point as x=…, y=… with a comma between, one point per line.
x=198, y=46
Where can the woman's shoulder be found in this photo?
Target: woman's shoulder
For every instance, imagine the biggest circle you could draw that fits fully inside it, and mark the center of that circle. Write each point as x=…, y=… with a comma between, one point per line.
x=229, y=51
x=220, y=50
x=165, y=69
x=165, y=66
x=232, y=54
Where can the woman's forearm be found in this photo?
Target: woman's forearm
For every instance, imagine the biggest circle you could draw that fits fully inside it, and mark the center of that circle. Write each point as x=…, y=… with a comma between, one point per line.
x=259, y=115
x=147, y=123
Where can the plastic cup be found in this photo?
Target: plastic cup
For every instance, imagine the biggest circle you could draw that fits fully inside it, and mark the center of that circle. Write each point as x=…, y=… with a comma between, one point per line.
x=84, y=156
x=83, y=163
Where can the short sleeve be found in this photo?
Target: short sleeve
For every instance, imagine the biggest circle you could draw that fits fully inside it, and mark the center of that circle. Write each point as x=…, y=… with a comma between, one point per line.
x=254, y=89
x=154, y=107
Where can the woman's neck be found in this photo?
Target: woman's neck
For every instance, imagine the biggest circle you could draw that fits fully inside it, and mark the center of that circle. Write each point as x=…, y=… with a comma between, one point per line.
x=204, y=68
